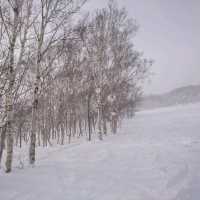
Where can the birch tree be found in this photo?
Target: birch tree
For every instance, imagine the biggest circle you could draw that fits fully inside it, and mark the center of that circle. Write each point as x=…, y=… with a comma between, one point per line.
x=52, y=16
x=10, y=16
x=63, y=78
x=15, y=24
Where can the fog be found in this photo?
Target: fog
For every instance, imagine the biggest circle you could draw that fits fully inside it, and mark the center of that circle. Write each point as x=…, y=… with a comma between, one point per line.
x=169, y=34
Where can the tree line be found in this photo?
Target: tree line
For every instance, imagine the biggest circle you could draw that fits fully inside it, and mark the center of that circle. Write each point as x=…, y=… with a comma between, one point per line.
x=65, y=75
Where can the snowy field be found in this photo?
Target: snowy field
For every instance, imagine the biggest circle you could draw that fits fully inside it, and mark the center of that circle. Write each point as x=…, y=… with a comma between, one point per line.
x=156, y=156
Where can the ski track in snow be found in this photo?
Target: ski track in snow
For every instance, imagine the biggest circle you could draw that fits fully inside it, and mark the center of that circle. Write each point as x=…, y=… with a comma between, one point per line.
x=154, y=157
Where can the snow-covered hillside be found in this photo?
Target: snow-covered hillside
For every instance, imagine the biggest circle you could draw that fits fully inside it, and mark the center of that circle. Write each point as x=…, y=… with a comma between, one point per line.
x=179, y=96
x=156, y=156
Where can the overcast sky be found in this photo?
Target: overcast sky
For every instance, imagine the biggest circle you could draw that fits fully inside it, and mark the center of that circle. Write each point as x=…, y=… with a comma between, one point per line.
x=169, y=34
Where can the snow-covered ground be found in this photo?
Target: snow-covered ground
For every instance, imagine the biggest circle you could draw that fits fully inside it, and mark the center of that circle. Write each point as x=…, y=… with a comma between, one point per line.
x=156, y=156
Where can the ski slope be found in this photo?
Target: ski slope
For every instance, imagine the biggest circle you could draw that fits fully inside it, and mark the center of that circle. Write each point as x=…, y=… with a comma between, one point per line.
x=156, y=156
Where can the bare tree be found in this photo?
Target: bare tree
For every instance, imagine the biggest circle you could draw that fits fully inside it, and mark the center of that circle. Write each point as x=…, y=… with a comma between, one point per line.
x=62, y=79
x=10, y=11
x=14, y=17
x=52, y=16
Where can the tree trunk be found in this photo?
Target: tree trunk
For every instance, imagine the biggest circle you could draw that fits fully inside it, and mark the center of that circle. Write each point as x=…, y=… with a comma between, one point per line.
x=9, y=104
x=100, y=135
x=89, y=119
x=104, y=126
x=80, y=127
x=62, y=133
x=33, y=123
x=20, y=135
x=9, y=124
x=2, y=141
x=114, y=124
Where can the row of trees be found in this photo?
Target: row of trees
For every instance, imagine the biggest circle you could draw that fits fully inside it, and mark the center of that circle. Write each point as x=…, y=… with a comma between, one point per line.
x=61, y=77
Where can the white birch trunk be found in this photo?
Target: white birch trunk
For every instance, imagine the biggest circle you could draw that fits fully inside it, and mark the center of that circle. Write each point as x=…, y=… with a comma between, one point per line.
x=34, y=123
x=9, y=93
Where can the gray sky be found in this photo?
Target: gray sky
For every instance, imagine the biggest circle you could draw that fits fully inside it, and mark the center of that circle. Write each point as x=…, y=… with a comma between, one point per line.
x=170, y=34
